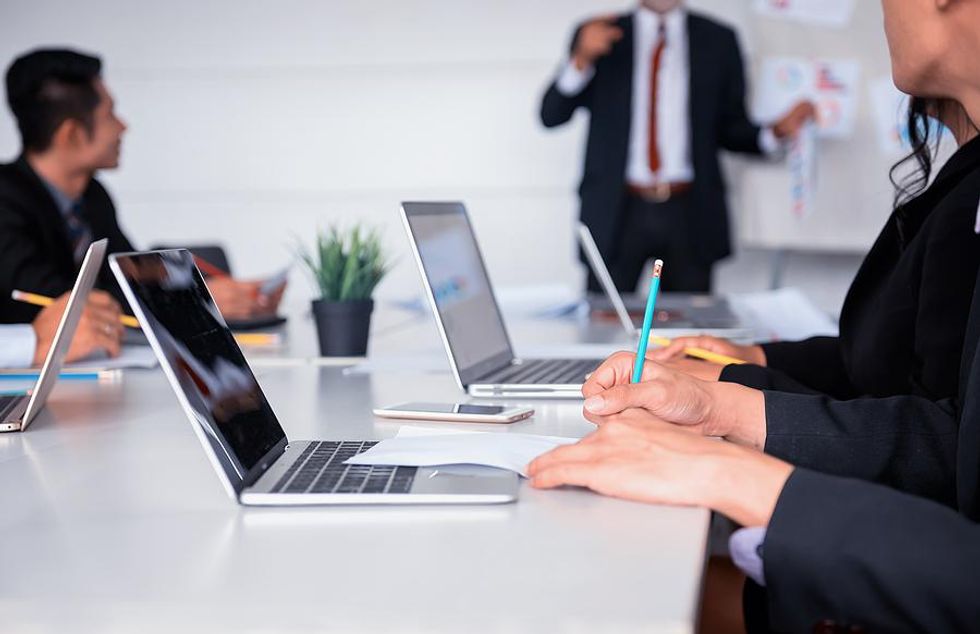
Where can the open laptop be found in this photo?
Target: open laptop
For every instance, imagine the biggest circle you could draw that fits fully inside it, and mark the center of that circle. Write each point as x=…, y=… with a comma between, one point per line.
x=469, y=318
x=255, y=461
x=678, y=313
x=17, y=411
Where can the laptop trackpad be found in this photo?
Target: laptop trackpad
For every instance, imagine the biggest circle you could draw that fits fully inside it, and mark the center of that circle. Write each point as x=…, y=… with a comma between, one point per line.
x=460, y=478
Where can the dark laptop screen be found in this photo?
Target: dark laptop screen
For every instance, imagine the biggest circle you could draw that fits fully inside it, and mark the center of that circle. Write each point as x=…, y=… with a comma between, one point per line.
x=204, y=358
x=459, y=285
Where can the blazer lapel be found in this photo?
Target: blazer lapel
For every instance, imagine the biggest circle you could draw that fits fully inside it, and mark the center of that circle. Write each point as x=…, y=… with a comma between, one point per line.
x=624, y=68
x=698, y=62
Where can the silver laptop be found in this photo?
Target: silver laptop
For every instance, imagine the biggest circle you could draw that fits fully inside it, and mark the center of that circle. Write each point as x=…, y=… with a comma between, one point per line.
x=678, y=313
x=255, y=461
x=17, y=411
x=469, y=318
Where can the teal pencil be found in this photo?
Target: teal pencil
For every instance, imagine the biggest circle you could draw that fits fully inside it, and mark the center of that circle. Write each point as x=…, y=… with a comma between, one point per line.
x=641, y=349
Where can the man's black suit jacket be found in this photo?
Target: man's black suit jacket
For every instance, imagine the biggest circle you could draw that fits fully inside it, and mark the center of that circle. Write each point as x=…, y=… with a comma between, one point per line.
x=35, y=253
x=718, y=120
x=858, y=553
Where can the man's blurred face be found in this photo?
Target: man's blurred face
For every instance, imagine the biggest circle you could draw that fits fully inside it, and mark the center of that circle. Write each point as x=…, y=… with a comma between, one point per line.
x=661, y=6
x=101, y=146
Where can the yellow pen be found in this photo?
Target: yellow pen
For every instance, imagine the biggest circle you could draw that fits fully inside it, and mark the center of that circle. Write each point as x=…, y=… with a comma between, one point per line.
x=42, y=300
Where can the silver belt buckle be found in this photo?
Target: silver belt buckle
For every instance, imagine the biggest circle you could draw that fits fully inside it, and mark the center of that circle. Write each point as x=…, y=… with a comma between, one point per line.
x=661, y=192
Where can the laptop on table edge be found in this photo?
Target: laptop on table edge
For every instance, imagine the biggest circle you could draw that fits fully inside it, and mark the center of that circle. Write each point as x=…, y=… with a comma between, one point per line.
x=248, y=448
x=17, y=412
x=470, y=323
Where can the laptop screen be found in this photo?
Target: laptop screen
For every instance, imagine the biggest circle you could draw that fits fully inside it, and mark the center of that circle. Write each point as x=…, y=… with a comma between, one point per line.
x=459, y=286
x=204, y=363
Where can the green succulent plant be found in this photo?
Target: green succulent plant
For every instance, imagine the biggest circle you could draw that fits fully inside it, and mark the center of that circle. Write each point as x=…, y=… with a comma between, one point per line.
x=346, y=266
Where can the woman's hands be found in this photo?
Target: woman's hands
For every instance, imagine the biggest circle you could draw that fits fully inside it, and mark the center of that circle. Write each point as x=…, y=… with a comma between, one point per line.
x=636, y=457
x=665, y=393
x=709, y=408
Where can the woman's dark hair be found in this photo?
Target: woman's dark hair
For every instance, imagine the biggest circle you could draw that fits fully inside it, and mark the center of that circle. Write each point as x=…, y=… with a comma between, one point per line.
x=925, y=133
x=45, y=87
x=924, y=147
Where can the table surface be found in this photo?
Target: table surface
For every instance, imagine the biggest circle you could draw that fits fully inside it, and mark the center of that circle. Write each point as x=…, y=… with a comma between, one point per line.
x=113, y=519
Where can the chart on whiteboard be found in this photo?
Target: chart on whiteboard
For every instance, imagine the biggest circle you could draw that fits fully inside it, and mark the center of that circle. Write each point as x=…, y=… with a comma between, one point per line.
x=832, y=85
x=835, y=13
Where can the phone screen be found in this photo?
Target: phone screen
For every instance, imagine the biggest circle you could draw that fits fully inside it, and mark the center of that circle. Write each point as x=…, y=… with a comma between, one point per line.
x=452, y=408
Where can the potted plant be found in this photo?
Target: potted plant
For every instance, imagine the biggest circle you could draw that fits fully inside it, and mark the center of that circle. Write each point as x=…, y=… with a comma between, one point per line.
x=346, y=266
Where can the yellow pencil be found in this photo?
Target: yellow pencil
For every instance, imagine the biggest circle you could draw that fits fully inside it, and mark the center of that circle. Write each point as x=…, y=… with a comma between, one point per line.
x=700, y=353
x=42, y=300
x=258, y=338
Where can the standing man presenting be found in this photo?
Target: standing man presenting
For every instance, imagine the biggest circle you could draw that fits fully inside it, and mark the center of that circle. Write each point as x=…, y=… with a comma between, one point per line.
x=665, y=89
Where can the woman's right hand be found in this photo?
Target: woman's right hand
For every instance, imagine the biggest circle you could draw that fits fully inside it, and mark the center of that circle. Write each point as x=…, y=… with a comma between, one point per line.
x=727, y=410
x=751, y=354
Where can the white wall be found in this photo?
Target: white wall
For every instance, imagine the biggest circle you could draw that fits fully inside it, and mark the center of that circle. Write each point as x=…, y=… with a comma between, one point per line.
x=252, y=122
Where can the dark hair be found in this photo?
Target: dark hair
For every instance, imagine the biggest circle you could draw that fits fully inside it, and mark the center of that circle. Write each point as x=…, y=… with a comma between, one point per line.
x=925, y=134
x=47, y=87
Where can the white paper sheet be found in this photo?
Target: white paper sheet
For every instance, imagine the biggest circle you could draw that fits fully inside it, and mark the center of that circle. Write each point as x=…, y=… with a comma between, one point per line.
x=132, y=357
x=782, y=315
x=424, y=447
x=836, y=13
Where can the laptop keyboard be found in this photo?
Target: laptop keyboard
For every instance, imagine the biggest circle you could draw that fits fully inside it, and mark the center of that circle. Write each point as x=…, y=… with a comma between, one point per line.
x=545, y=372
x=321, y=469
x=8, y=403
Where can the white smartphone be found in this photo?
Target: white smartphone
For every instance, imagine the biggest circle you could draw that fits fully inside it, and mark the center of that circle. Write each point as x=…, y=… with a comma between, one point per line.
x=456, y=412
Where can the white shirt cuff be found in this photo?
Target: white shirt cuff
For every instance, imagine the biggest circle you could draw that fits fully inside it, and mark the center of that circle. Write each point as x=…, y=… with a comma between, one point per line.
x=571, y=81
x=17, y=343
x=769, y=144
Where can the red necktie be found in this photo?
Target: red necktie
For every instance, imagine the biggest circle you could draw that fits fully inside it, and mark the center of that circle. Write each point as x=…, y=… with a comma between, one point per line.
x=658, y=53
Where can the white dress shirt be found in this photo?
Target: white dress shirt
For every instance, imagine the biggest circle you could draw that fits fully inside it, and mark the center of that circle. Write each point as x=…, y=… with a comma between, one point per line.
x=17, y=342
x=673, y=100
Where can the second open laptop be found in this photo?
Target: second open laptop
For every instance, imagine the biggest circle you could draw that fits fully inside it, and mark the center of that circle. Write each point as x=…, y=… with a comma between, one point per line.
x=683, y=313
x=17, y=411
x=469, y=319
x=255, y=461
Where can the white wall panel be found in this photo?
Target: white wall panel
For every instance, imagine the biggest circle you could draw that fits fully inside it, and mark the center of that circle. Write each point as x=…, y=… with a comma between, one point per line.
x=253, y=121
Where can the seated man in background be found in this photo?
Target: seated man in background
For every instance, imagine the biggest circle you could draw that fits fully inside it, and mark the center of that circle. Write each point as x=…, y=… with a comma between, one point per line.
x=51, y=205
x=99, y=330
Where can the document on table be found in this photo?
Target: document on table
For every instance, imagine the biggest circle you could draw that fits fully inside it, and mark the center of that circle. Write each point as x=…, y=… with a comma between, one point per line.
x=427, y=447
x=782, y=315
x=138, y=357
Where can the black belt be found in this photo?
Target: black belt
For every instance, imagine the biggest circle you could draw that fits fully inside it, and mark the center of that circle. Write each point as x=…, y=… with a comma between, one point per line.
x=659, y=193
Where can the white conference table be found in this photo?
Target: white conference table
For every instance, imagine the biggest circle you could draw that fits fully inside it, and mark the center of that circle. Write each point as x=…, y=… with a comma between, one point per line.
x=113, y=521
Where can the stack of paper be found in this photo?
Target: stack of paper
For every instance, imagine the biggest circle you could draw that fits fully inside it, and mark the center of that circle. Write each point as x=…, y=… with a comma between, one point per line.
x=427, y=447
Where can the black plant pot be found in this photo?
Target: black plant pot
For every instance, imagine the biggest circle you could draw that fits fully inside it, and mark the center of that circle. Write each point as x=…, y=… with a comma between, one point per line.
x=342, y=327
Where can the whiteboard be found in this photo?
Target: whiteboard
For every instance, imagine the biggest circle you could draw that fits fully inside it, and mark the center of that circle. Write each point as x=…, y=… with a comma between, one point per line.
x=853, y=194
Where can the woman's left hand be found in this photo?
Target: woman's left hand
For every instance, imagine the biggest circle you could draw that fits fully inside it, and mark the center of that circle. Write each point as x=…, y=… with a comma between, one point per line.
x=655, y=462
